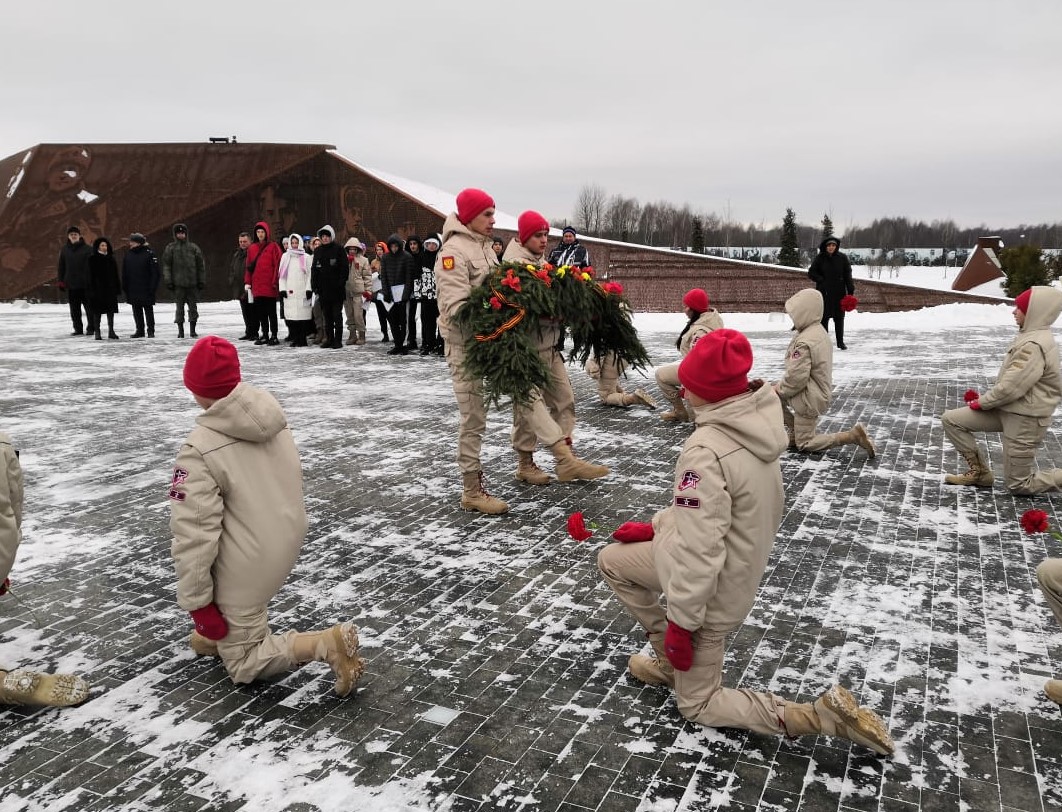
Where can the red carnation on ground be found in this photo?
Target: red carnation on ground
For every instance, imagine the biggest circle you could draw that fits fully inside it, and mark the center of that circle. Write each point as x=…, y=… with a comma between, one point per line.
x=971, y=395
x=577, y=527
x=1034, y=521
x=849, y=303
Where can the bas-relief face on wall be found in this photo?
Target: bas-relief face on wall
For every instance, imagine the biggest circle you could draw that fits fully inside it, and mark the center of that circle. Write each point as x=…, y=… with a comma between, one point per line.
x=279, y=209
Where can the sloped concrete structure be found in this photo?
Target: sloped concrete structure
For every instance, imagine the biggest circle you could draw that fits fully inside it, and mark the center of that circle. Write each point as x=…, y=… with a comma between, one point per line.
x=221, y=189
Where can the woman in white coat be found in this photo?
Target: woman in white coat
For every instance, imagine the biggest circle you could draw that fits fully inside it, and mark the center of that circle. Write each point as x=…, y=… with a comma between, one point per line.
x=295, y=291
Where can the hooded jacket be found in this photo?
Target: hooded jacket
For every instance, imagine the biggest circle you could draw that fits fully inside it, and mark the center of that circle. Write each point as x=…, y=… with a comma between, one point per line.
x=329, y=271
x=807, y=384
x=398, y=270
x=706, y=322
x=1029, y=382
x=263, y=265
x=236, y=504
x=832, y=275
x=104, y=284
x=10, y=505
x=463, y=261
x=713, y=542
x=140, y=275
x=295, y=282
x=183, y=265
x=360, y=278
x=516, y=251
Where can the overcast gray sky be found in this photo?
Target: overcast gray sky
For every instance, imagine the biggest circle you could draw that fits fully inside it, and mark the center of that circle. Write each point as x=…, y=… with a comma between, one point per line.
x=926, y=108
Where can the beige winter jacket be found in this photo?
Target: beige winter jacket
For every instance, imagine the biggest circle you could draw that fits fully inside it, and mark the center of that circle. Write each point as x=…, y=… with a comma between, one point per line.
x=705, y=323
x=713, y=542
x=516, y=251
x=360, y=278
x=236, y=507
x=807, y=384
x=10, y=505
x=463, y=261
x=1029, y=382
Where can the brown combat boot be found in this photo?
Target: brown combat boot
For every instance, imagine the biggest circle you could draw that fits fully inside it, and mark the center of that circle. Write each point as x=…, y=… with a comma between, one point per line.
x=202, y=646
x=527, y=471
x=862, y=439
x=655, y=670
x=1053, y=689
x=570, y=467
x=979, y=474
x=677, y=414
x=836, y=713
x=475, y=496
x=24, y=687
x=338, y=647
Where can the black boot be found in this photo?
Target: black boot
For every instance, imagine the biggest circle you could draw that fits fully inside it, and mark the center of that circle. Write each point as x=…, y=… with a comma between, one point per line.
x=191, y=329
x=180, y=329
x=98, y=336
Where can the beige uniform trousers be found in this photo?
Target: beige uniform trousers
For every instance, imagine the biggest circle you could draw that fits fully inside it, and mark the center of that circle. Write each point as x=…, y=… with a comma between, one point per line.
x=1049, y=574
x=550, y=416
x=802, y=430
x=249, y=651
x=1021, y=437
x=630, y=571
x=469, y=395
x=355, y=315
x=608, y=386
x=668, y=380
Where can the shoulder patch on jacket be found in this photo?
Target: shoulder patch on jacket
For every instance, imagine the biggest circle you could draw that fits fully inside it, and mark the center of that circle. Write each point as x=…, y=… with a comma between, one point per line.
x=796, y=354
x=448, y=263
x=687, y=501
x=180, y=476
x=689, y=480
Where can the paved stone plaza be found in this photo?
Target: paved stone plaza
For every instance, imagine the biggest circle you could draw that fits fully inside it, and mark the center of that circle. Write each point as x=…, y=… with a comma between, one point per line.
x=495, y=655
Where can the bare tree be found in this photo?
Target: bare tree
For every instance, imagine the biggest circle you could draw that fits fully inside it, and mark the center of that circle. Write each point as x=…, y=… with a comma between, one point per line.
x=590, y=208
x=621, y=218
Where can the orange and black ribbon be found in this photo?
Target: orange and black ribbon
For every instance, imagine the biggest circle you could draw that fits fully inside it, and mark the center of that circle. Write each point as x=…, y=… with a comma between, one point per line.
x=508, y=324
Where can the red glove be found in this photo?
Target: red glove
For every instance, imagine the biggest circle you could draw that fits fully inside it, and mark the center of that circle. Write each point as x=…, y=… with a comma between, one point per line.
x=209, y=622
x=975, y=405
x=5, y=586
x=970, y=394
x=366, y=295
x=678, y=646
x=634, y=531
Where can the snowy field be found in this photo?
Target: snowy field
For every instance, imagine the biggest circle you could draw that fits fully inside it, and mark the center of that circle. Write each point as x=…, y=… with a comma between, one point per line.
x=496, y=657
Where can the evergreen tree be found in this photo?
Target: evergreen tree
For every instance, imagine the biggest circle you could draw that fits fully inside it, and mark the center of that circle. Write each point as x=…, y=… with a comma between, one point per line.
x=1023, y=265
x=790, y=253
x=697, y=236
x=827, y=227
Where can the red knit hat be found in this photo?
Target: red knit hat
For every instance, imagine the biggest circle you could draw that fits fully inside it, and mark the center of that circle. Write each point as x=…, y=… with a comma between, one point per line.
x=717, y=366
x=696, y=299
x=529, y=223
x=1022, y=302
x=471, y=203
x=212, y=368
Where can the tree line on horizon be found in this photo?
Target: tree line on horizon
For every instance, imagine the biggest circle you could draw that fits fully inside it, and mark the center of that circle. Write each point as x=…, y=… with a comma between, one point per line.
x=664, y=224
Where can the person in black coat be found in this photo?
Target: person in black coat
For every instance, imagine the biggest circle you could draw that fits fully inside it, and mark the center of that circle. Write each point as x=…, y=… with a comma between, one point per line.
x=104, y=286
x=397, y=272
x=328, y=279
x=73, y=277
x=832, y=274
x=141, y=275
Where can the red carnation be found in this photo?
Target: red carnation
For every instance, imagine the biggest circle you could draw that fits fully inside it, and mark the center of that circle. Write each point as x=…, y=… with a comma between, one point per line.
x=971, y=395
x=1034, y=521
x=613, y=287
x=589, y=269
x=577, y=527
x=849, y=303
x=512, y=281
x=495, y=302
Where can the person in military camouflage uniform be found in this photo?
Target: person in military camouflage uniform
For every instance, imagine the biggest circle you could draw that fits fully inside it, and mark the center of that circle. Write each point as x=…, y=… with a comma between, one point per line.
x=184, y=273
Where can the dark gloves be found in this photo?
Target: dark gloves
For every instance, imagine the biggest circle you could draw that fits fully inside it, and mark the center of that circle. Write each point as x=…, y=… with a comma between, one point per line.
x=634, y=531
x=678, y=646
x=283, y=294
x=5, y=586
x=309, y=295
x=209, y=622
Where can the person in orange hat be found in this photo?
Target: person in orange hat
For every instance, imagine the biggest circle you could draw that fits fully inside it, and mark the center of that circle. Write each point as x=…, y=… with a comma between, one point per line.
x=702, y=319
x=707, y=551
x=238, y=521
x=1019, y=405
